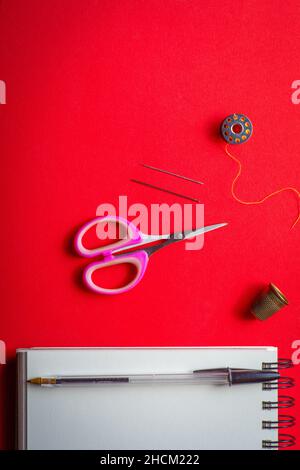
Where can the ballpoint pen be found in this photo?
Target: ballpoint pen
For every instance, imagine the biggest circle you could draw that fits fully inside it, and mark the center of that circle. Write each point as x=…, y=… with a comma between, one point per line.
x=224, y=376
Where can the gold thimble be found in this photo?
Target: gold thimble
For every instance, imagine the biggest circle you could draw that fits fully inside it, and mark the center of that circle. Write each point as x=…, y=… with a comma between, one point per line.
x=268, y=303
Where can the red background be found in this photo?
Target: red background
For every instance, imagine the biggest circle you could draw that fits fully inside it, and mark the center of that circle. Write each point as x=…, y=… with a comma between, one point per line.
x=94, y=88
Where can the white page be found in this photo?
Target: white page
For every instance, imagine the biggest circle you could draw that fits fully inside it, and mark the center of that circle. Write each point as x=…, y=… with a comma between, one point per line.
x=146, y=416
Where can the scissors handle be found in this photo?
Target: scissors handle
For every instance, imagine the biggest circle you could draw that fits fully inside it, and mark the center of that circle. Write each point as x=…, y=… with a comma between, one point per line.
x=131, y=235
x=139, y=259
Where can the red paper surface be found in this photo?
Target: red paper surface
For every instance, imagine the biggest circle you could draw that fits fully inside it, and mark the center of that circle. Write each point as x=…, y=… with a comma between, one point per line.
x=94, y=88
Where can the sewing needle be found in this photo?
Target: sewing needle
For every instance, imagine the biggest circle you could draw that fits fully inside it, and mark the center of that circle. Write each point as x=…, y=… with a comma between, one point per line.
x=164, y=190
x=170, y=173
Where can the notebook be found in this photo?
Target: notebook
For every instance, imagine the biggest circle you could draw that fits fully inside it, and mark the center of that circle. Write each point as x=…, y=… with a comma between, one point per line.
x=143, y=416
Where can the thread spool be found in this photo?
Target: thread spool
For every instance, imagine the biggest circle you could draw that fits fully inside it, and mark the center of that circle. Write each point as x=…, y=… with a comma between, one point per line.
x=237, y=129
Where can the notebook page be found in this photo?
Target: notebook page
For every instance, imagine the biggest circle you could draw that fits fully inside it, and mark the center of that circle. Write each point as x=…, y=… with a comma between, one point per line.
x=147, y=416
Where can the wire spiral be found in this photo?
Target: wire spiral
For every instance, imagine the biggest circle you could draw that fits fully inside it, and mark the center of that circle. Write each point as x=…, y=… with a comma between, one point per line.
x=284, y=401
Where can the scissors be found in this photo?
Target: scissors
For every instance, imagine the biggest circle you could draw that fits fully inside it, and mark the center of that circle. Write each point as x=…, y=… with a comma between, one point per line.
x=134, y=241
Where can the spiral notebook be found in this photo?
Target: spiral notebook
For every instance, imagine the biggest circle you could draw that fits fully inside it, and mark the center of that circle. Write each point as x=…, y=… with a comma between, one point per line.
x=157, y=416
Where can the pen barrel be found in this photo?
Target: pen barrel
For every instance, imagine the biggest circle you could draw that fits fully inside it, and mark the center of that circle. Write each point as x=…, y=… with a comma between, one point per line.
x=195, y=378
x=205, y=378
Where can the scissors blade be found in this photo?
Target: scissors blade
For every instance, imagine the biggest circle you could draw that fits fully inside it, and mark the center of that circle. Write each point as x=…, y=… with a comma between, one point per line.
x=199, y=231
x=175, y=237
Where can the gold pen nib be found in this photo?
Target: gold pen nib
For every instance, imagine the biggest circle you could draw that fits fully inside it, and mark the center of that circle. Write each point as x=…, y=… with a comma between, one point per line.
x=42, y=381
x=37, y=381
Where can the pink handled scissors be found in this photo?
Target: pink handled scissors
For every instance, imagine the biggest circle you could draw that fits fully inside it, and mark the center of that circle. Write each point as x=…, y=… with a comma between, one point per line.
x=134, y=241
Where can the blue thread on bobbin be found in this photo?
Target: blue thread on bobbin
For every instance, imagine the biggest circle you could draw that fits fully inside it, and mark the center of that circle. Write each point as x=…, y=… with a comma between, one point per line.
x=236, y=129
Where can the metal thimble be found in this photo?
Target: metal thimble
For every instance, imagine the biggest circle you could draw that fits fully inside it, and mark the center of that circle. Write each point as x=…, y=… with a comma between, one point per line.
x=268, y=303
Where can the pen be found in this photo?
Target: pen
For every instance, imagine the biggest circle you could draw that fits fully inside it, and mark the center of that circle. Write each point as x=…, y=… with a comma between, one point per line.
x=224, y=376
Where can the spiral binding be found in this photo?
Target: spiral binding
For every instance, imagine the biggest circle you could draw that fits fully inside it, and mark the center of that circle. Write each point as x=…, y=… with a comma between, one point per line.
x=284, y=401
x=281, y=364
x=284, y=421
x=281, y=383
x=285, y=440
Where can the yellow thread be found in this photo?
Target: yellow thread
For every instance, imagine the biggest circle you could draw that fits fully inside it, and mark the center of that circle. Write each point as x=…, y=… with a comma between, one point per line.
x=260, y=201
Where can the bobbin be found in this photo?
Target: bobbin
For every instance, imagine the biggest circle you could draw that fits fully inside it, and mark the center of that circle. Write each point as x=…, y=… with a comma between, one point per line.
x=236, y=129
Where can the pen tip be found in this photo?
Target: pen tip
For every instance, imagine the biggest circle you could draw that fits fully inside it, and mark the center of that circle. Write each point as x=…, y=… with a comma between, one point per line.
x=36, y=381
